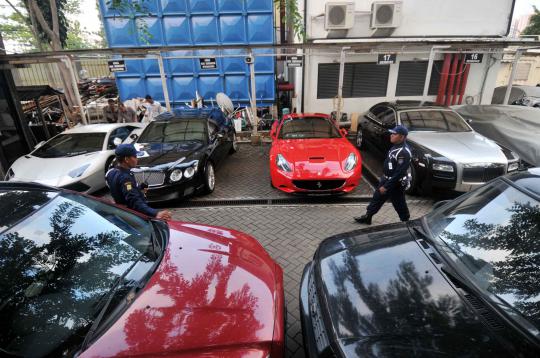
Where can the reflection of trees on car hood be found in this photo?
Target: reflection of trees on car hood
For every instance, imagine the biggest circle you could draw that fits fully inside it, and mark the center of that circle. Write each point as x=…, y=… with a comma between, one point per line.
x=517, y=274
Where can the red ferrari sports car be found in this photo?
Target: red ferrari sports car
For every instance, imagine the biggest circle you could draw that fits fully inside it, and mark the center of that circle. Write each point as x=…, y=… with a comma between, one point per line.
x=81, y=277
x=310, y=154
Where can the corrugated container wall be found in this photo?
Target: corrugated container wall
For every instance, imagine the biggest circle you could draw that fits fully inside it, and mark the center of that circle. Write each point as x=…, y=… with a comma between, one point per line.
x=193, y=23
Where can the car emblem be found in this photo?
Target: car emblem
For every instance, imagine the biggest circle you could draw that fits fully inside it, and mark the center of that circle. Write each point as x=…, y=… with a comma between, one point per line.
x=319, y=185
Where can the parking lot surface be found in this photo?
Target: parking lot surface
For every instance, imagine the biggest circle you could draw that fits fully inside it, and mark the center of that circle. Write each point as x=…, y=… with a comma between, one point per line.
x=291, y=235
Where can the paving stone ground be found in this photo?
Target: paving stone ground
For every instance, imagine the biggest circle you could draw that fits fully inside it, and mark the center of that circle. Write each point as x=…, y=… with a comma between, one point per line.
x=291, y=234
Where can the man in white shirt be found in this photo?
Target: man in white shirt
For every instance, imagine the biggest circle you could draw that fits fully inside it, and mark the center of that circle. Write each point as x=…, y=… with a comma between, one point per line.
x=152, y=109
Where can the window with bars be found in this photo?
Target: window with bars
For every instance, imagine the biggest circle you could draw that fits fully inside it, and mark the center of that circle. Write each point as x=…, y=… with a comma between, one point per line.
x=360, y=79
x=412, y=76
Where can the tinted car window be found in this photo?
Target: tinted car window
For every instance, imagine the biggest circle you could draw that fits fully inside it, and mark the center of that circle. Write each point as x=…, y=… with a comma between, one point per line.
x=72, y=144
x=57, y=267
x=438, y=121
x=308, y=127
x=376, y=110
x=121, y=133
x=492, y=236
x=174, y=131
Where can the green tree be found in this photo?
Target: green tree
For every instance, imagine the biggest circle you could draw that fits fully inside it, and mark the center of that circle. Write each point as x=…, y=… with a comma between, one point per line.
x=534, y=24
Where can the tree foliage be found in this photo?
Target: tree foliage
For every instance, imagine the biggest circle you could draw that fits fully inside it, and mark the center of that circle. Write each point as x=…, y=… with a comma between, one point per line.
x=534, y=24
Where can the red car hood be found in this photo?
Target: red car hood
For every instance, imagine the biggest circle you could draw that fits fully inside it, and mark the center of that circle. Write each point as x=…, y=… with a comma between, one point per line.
x=213, y=293
x=316, y=157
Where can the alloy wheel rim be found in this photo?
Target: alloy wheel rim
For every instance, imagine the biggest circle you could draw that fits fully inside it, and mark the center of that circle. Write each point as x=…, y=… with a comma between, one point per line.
x=211, y=177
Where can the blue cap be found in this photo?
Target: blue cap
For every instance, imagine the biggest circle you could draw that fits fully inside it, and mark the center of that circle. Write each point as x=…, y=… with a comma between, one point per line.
x=399, y=130
x=125, y=150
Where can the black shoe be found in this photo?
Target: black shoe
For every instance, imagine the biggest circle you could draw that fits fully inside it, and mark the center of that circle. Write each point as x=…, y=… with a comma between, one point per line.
x=364, y=219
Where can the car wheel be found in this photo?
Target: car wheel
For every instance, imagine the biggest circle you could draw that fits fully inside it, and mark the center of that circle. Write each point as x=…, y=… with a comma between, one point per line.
x=209, y=178
x=234, y=147
x=108, y=164
x=359, y=138
x=413, y=189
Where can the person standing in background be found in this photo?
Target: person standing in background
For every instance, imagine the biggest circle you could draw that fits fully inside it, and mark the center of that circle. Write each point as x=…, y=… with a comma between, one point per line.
x=152, y=109
x=111, y=112
x=126, y=114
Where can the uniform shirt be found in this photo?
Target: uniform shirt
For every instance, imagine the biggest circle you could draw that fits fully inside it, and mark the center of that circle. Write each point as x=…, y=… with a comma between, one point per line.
x=127, y=116
x=396, y=164
x=110, y=115
x=125, y=191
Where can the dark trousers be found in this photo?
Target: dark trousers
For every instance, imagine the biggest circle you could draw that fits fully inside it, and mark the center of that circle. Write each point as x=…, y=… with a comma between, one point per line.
x=396, y=194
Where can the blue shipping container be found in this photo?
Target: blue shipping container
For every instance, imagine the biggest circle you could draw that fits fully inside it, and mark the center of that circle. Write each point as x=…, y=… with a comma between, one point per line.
x=194, y=23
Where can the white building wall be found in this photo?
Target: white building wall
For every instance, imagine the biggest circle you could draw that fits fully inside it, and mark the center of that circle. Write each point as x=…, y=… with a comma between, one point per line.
x=475, y=81
x=448, y=18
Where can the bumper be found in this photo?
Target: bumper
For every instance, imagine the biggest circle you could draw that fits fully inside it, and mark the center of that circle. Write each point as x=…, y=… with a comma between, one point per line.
x=168, y=192
x=316, y=185
x=458, y=181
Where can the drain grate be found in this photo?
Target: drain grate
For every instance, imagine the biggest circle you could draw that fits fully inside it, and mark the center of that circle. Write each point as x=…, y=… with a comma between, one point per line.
x=277, y=201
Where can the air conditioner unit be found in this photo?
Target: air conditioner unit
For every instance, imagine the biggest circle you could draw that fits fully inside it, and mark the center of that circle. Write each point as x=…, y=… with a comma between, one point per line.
x=385, y=14
x=339, y=15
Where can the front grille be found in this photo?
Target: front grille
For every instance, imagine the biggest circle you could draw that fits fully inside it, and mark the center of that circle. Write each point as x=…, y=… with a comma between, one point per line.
x=482, y=174
x=152, y=178
x=318, y=184
x=321, y=339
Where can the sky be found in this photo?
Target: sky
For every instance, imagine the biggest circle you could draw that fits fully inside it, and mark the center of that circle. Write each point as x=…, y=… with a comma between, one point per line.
x=89, y=16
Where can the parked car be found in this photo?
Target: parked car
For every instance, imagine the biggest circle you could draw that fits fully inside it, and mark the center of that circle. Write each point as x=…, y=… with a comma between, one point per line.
x=82, y=277
x=310, y=154
x=514, y=127
x=460, y=281
x=179, y=152
x=446, y=152
x=76, y=159
x=519, y=95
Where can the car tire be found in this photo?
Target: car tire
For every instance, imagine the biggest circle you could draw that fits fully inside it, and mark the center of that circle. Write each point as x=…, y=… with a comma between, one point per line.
x=209, y=178
x=234, y=147
x=108, y=164
x=359, y=140
x=413, y=189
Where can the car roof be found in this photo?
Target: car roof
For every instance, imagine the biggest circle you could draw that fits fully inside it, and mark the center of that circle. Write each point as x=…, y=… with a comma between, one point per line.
x=409, y=105
x=97, y=128
x=529, y=180
x=19, y=185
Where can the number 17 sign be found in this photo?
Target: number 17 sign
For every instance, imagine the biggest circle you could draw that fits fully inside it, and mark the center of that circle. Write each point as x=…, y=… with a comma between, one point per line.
x=386, y=59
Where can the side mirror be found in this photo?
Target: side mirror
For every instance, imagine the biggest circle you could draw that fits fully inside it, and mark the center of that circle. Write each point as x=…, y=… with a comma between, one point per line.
x=39, y=144
x=469, y=120
x=344, y=132
x=134, y=136
x=439, y=204
x=117, y=141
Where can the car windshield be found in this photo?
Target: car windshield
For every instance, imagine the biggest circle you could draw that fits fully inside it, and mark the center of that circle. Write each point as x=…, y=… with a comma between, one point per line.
x=68, y=145
x=174, y=131
x=438, y=121
x=493, y=236
x=57, y=267
x=307, y=128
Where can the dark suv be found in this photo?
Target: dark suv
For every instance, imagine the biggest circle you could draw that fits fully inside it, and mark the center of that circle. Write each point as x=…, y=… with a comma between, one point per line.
x=461, y=281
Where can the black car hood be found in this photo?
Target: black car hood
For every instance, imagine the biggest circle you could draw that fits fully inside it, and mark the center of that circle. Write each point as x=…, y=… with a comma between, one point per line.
x=164, y=153
x=384, y=297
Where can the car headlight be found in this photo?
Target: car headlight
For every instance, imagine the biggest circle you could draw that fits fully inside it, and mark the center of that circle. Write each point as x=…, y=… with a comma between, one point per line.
x=176, y=175
x=189, y=172
x=443, y=167
x=75, y=173
x=351, y=162
x=283, y=164
x=513, y=166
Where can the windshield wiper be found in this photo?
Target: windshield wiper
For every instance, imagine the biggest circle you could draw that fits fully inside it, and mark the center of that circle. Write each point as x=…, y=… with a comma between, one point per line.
x=114, y=288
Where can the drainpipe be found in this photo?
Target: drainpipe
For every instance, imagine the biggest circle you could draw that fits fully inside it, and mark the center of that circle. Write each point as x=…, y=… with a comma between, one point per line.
x=459, y=77
x=430, y=68
x=512, y=76
x=163, y=81
x=450, y=88
x=340, y=84
x=464, y=82
x=253, y=95
x=444, y=78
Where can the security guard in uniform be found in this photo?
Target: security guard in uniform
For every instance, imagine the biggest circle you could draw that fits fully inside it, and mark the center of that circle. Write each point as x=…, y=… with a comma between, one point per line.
x=395, y=181
x=123, y=186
